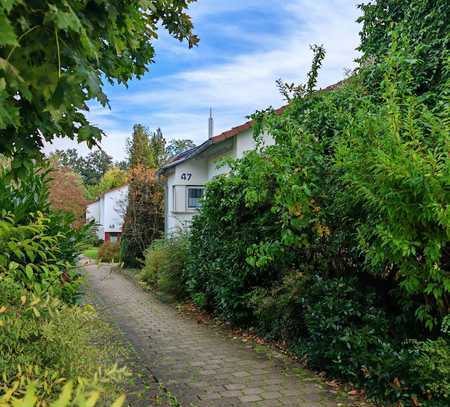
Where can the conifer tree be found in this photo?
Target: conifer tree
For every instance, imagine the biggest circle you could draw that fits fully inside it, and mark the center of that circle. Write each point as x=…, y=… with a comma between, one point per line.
x=144, y=218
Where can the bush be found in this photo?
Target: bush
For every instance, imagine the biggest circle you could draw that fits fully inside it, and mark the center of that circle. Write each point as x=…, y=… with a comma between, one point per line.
x=37, y=244
x=165, y=262
x=32, y=254
x=431, y=370
x=337, y=238
x=109, y=252
x=45, y=343
x=22, y=392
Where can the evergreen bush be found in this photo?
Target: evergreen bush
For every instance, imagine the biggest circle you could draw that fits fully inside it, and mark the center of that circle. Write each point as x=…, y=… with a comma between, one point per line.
x=337, y=238
x=164, y=267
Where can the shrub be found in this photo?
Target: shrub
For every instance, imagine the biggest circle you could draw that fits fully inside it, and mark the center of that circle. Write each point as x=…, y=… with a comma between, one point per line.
x=22, y=392
x=109, y=252
x=44, y=343
x=336, y=239
x=32, y=254
x=165, y=262
x=430, y=371
x=38, y=244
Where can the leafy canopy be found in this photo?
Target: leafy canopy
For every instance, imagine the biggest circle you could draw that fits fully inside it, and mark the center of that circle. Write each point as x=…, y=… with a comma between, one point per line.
x=56, y=54
x=91, y=168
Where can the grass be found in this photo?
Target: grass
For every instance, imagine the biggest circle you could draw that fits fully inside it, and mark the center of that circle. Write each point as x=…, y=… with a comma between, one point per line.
x=92, y=253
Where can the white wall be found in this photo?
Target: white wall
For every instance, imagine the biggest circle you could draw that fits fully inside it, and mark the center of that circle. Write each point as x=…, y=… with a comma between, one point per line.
x=93, y=214
x=115, y=203
x=215, y=167
x=109, y=211
x=246, y=142
x=193, y=172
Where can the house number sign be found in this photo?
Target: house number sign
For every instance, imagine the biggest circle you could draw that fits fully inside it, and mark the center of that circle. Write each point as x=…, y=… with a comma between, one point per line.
x=186, y=176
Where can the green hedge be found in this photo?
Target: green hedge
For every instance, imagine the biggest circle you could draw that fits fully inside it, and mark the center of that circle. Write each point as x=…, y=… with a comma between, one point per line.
x=337, y=238
x=164, y=265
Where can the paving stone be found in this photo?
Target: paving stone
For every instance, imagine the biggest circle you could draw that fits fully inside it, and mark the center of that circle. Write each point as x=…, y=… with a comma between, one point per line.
x=210, y=396
x=251, y=398
x=241, y=374
x=234, y=386
x=231, y=393
x=199, y=363
x=254, y=390
x=270, y=395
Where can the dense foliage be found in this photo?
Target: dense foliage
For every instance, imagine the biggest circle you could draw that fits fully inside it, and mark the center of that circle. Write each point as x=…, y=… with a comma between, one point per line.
x=67, y=194
x=45, y=345
x=46, y=342
x=109, y=252
x=144, y=217
x=90, y=168
x=164, y=266
x=38, y=245
x=424, y=27
x=337, y=238
x=55, y=55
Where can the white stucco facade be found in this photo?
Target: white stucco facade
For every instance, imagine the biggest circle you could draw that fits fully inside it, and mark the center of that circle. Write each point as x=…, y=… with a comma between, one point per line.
x=108, y=213
x=186, y=178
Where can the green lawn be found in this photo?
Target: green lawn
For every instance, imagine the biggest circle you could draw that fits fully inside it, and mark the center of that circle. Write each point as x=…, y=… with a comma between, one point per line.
x=92, y=252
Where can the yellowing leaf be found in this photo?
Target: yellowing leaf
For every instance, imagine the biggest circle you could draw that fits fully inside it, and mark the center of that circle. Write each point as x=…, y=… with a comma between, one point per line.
x=119, y=402
x=65, y=396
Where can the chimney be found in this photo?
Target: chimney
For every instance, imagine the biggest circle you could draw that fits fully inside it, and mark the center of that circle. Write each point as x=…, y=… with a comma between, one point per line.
x=210, y=124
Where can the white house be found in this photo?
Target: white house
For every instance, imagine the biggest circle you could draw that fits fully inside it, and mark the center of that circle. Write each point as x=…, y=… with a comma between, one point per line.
x=108, y=213
x=186, y=174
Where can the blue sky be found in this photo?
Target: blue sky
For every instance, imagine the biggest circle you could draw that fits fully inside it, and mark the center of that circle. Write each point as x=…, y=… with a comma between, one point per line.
x=244, y=47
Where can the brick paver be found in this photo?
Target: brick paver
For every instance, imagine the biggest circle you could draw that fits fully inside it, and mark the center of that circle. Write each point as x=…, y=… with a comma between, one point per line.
x=198, y=363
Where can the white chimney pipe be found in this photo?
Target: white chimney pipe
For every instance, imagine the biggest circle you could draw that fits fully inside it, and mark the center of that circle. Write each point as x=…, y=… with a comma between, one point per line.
x=210, y=124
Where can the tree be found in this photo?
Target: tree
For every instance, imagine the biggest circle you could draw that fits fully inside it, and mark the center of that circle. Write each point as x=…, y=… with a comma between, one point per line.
x=176, y=147
x=91, y=168
x=138, y=147
x=67, y=194
x=94, y=166
x=145, y=148
x=158, y=150
x=144, y=217
x=122, y=164
x=67, y=158
x=55, y=56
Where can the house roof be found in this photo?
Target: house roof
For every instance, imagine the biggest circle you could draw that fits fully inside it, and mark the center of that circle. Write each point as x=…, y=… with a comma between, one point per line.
x=234, y=131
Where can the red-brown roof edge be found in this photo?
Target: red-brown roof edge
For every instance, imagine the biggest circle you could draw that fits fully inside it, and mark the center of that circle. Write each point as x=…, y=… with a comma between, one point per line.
x=234, y=131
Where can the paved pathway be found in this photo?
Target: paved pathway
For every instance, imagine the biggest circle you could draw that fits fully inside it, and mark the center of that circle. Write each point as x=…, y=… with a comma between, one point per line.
x=201, y=364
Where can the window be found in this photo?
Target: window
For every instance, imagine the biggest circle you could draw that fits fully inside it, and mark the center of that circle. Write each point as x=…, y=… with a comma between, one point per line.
x=194, y=196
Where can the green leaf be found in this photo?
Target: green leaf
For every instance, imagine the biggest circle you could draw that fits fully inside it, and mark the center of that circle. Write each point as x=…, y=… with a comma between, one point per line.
x=64, y=397
x=7, y=34
x=29, y=272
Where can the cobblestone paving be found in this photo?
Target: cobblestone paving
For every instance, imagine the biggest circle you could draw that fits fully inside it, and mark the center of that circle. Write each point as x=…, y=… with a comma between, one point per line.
x=200, y=364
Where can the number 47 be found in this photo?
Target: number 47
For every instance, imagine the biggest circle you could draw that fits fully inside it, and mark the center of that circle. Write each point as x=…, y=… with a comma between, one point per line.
x=186, y=176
